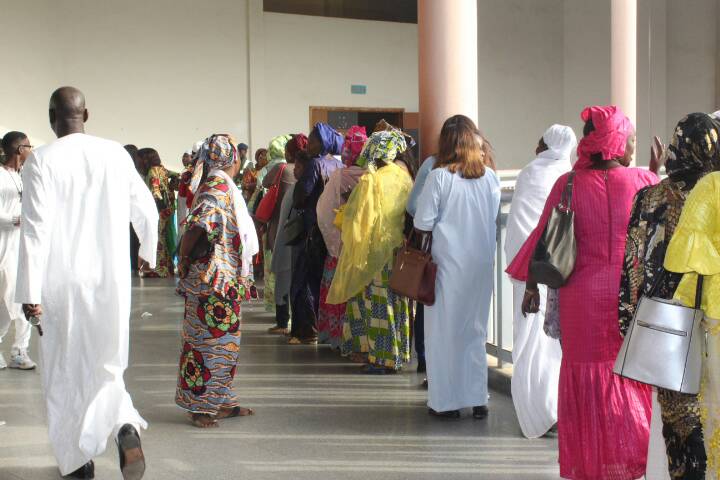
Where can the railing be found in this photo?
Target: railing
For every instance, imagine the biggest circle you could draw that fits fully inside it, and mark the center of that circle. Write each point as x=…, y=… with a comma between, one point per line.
x=500, y=325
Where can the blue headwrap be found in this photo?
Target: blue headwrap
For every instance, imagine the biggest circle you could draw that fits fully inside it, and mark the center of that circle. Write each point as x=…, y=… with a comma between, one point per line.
x=332, y=141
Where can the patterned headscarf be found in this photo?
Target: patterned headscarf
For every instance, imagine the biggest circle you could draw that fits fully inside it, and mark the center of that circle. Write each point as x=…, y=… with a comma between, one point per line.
x=332, y=141
x=612, y=129
x=276, y=149
x=694, y=149
x=297, y=143
x=217, y=152
x=355, y=139
x=384, y=145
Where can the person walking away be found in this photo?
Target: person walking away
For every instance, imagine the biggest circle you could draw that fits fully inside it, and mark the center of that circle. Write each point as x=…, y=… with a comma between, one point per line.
x=73, y=272
x=458, y=206
x=372, y=223
x=419, y=331
x=323, y=143
x=336, y=193
x=281, y=259
x=277, y=153
x=158, y=181
x=695, y=250
x=536, y=356
x=603, y=419
x=694, y=151
x=18, y=147
x=213, y=285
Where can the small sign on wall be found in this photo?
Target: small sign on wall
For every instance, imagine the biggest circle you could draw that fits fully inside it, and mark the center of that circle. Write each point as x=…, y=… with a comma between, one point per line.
x=358, y=89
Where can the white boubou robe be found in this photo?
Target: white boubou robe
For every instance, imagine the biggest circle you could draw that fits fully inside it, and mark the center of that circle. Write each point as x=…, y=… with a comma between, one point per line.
x=80, y=194
x=536, y=357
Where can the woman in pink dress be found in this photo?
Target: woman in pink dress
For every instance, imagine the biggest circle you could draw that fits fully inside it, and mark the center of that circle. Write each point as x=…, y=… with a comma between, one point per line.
x=603, y=419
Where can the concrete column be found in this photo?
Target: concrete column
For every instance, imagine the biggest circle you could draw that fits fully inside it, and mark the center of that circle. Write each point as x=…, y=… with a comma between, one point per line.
x=623, y=67
x=448, y=68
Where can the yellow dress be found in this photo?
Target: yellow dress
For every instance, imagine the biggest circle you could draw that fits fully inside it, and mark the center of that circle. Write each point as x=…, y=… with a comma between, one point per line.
x=695, y=249
x=372, y=229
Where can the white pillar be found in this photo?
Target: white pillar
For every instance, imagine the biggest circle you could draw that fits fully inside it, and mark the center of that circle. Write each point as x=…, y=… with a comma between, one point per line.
x=448, y=68
x=623, y=66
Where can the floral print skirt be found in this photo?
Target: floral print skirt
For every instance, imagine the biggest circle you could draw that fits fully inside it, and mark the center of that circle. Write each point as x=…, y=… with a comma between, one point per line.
x=377, y=321
x=210, y=347
x=330, y=317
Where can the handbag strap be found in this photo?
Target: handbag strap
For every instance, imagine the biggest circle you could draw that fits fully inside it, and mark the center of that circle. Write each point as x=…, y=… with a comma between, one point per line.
x=698, y=287
x=566, y=198
x=279, y=174
x=698, y=292
x=425, y=243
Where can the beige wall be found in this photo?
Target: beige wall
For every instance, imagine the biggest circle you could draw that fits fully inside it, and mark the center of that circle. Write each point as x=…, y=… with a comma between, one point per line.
x=314, y=61
x=168, y=72
x=163, y=73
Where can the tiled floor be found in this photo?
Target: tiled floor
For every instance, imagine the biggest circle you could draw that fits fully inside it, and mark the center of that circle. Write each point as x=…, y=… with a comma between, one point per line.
x=316, y=417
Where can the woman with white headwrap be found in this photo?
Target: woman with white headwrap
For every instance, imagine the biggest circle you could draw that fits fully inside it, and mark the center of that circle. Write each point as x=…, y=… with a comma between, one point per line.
x=214, y=264
x=536, y=356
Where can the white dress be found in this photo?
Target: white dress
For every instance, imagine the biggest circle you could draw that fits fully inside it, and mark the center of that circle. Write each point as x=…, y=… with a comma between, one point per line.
x=10, y=193
x=80, y=194
x=536, y=357
x=461, y=214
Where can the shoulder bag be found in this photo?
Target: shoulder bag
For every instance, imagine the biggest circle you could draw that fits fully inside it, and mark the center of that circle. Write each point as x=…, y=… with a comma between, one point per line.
x=294, y=228
x=554, y=257
x=663, y=346
x=268, y=203
x=414, y=272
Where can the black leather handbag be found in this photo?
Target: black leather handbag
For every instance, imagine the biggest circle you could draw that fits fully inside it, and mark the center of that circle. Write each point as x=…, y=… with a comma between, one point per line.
x=554, y=258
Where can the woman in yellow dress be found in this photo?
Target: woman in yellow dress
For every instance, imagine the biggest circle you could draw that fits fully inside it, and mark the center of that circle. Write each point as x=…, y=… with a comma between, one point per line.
x=695, y=249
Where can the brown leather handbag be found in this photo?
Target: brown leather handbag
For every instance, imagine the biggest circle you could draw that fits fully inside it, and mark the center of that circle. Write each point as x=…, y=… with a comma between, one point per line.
x=414, y=272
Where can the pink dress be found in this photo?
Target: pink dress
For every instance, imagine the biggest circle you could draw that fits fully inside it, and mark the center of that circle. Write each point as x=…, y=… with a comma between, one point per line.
x=603, y=419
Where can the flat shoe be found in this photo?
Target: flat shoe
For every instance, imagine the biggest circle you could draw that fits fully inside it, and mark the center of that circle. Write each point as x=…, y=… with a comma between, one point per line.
x=448, y=414
x=86, y=472
x=132, y=460
x=480, y=413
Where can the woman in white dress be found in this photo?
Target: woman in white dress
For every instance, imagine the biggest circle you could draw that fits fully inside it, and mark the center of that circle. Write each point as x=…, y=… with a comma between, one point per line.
x=459, y=205
x=536, y=356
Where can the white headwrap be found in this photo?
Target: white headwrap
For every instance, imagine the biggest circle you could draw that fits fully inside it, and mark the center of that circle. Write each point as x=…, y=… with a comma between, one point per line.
x=534, y=183
x=560, y=140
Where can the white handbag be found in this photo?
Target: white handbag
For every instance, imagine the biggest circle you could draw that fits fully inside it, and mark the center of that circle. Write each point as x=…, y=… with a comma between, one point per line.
x=664, y=344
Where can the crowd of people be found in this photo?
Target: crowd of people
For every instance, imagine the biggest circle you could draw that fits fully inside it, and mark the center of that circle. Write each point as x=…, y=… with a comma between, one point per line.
x=316, y=223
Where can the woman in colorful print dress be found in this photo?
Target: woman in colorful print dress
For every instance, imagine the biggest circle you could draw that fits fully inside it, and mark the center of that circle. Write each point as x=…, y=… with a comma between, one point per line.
x=158, y=181
x=603, y=419
x=377, y=320
x=693, y=152
x=215, y=260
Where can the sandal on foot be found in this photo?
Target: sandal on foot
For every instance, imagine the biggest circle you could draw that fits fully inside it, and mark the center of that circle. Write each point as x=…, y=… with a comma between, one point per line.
x=277, y=331
x=294, y=341
x=203, y=420
x=235, y=412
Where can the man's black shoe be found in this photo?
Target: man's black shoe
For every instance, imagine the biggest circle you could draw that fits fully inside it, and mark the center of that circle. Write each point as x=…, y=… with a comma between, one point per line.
x=87, y=471
x=132, y=460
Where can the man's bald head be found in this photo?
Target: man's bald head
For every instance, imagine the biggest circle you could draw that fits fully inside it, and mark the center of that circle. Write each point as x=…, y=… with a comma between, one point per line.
x=67, y=111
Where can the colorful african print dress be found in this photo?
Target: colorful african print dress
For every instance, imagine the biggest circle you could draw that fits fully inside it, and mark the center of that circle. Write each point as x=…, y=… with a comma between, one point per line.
x=159, y=184
x=377, y=323
x=213, y=290
x=654, y=216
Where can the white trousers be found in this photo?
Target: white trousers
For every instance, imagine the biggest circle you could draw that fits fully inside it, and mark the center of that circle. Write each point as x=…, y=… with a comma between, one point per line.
x=12, y=312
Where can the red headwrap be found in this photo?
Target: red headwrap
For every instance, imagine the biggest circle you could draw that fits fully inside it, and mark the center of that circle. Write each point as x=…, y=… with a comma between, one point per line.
x=296, y=143
x=355, y=139
x=612, y=129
